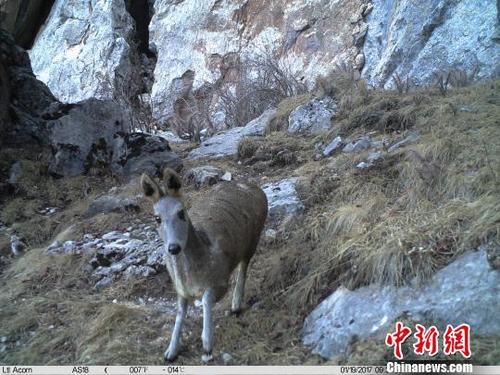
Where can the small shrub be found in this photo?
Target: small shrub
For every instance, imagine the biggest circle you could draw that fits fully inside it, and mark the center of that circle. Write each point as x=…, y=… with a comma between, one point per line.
x=247, y=148
x=259, y=83
x=342, y=79
x=283, y=158
x=402, y=85
x=396, y=121
x=454, y=78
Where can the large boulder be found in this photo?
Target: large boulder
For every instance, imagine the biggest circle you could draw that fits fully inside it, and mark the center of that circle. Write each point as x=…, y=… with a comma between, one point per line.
x=136, y=153
x=205, y=175
x=81, y=135
x=417, y=39
x=84, y=50
x=93, y=134
x=313, y=117
x=466, y=291
x=226, y=142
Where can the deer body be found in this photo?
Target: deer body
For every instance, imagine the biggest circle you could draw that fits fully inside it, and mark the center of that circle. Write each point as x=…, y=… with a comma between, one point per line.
x=204, y=245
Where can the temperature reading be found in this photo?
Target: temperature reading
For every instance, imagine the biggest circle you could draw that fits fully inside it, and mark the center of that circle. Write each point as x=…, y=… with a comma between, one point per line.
x=175, y=369
x=138, y=369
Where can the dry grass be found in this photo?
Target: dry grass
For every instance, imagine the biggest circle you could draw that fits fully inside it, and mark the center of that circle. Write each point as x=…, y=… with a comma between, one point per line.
x=409, y=216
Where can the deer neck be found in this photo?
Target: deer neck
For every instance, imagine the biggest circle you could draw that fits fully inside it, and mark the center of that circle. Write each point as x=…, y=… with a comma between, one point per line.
x=189, y=262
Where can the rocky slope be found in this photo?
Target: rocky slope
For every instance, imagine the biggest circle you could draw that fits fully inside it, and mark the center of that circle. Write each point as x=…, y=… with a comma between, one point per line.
x=376, y=198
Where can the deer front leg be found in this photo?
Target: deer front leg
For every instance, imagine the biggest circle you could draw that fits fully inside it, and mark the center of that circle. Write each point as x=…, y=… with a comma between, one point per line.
x=173, y=348
x=207, y=336
x=239, y=288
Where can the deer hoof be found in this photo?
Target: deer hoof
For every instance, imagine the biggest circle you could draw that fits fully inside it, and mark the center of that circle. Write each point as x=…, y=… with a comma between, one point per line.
x=236, y=312
x=169, y=355
x=207, y=357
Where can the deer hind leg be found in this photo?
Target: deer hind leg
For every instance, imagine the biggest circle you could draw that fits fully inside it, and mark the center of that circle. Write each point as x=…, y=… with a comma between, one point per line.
x=173, y=348
x=207, y=336
x=239, y=288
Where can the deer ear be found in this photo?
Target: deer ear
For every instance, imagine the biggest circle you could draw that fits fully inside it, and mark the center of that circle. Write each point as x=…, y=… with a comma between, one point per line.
x=150, y=187
x=172, y=182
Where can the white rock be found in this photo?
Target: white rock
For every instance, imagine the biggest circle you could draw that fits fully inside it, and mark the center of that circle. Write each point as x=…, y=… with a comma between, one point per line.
x=412, y=138
x=270, y=233
x=56, y=245
x=114, y=235
x=206, y=358
x=203, y=176
x=464, y=291
x=69, y=246
x=335, y=144
x=227, y=358
x=226, y=176
x=358, y=145
x=82, y=47
x=313, y=117
x=226, y=143
x=282, y=198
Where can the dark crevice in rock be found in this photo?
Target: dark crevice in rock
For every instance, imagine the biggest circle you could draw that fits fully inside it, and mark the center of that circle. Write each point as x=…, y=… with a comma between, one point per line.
x=141, y=12
x=30, y=19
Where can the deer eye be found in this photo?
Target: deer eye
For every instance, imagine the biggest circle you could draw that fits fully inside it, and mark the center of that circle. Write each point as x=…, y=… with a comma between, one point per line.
x=181, y=215
x=158, y=219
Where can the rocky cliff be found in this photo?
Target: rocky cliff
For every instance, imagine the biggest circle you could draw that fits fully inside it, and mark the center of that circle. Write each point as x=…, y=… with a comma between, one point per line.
x=198, y=43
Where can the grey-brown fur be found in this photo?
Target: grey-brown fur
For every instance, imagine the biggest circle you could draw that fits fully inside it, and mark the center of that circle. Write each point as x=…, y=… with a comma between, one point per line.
x=220, y=232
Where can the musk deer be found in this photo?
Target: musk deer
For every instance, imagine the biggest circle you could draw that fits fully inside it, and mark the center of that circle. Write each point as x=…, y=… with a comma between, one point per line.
x=204, y=245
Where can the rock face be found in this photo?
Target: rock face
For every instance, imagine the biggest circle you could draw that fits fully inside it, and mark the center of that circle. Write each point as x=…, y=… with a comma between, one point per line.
x=416, y=39
x=200, y=45
x=466, y=291
x=313, y=117
x=83, y=50
x=226, y=142
x=205, y=40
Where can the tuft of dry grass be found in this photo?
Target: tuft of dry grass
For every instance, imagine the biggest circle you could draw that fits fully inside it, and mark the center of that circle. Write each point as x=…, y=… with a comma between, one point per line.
x=247, y=148
x=279, y=121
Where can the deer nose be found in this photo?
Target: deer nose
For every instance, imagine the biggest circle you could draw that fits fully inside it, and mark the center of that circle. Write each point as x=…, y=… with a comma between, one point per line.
x=174, y=249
